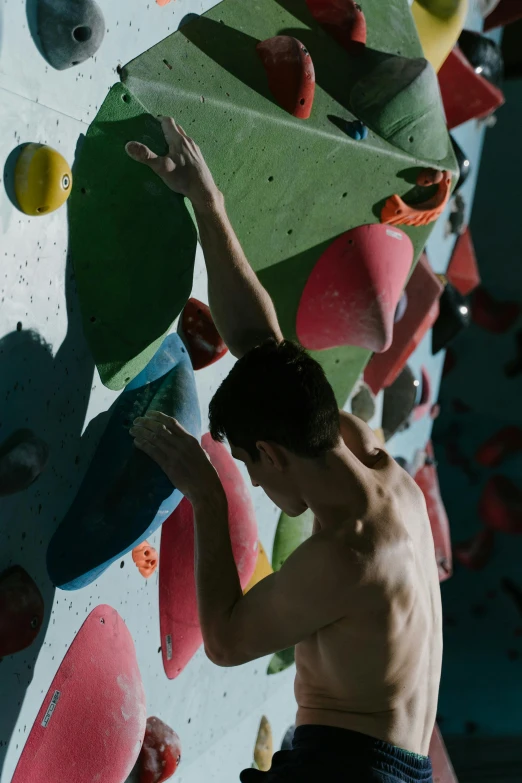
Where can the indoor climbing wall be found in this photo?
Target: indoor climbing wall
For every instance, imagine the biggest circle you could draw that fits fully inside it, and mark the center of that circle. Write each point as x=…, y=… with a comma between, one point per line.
x=91, y=293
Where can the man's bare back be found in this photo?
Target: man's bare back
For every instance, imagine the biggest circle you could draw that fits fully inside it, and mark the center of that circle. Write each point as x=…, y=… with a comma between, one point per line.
x=377, y=669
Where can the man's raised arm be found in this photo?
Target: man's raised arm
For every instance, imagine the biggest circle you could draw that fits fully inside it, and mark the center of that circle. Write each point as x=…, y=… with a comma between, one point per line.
x=242, y=309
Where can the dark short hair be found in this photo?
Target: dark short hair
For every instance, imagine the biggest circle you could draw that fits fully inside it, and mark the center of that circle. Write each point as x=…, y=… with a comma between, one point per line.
x=276, y=392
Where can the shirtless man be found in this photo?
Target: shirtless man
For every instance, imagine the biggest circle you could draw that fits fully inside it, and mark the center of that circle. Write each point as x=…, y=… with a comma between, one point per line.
x=360, y=599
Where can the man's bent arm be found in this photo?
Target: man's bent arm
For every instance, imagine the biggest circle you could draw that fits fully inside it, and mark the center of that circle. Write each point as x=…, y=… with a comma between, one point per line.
x=242, y=309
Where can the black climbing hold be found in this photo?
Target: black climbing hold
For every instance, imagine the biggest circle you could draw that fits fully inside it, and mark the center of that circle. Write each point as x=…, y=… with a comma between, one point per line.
x=399, y=401
x=287, y=739
x=70, y=31
x=23, y=456
x=463, y=161
x=454, y=317
x=457, y=217
x=483, y=54
x=21, y=611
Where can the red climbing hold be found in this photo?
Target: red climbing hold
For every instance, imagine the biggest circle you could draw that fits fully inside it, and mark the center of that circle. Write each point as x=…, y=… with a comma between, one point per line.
x=500, y=505
x=199, y=334
x=290, y=72
x=424, y=405
x=475, y=553
x=506, y=12
x=352, y=293
x=179, y=622
x=423, y=292
x=502, y=444
x=491, y=314
x=428, y=481
x=463, y=270
x=466, y=94
x=443, y=771
x=21, y=611
x=343, y=20
x=91, y=723
x=161, y=752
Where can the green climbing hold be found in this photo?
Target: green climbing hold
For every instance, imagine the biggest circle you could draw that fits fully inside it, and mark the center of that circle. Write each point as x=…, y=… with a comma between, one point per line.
x=290, y=533
x=399, y=99
x=132, y=242
x=281, y=661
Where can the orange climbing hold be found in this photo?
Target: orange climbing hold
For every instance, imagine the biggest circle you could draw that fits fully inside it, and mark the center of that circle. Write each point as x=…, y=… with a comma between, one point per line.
x=352, y=293
x=344, y=20
x=463, y=270
x=466, y=94
x=429, y=177
x=397, y=213
x=199, y=334
x=146, y=559
x=162, y=2
x=290, y=72
x=160, y=754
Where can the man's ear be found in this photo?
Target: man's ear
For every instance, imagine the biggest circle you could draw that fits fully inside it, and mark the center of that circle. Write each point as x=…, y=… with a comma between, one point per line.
x=272, y=454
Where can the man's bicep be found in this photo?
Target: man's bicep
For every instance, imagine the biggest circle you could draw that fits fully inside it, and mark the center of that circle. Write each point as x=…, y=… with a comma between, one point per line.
x=309, y=592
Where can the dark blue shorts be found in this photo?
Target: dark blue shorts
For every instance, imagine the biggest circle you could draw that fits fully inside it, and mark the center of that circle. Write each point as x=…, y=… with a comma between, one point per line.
x=333, y=755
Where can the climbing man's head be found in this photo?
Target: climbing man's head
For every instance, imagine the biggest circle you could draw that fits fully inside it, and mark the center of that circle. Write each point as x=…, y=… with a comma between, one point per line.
x=276, y=407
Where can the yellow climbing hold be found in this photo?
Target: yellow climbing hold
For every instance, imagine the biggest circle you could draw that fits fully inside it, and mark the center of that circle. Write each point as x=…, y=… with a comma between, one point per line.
x=42, y=180
x=264, y=749
x=438, y=33
x=262, y=569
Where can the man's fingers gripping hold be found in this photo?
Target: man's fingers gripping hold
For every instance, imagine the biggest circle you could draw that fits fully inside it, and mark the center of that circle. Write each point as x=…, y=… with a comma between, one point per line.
x=142, y=154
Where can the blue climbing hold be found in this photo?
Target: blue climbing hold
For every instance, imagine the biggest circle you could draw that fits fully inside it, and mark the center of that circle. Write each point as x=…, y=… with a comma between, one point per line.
x=357, y=130
x=125, y=496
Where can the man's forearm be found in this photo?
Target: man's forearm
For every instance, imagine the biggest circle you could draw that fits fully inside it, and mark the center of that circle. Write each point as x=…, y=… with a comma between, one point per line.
x=217, y=582
x=242, y=309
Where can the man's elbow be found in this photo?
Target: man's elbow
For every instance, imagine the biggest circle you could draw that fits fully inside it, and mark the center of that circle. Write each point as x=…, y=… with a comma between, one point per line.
x=224, y=657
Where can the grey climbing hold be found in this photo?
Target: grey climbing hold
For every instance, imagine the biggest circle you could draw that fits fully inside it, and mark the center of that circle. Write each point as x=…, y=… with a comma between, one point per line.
x=287, y=739
x=23, y=457
x=70, y=31
x=399, y=99
x=363, y=403
x=398, y=404
x=401, y=308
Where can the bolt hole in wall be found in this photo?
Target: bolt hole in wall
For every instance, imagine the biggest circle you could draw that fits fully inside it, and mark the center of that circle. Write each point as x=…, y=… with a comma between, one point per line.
x=125, y=98
x=270, y=179
x=82, y=33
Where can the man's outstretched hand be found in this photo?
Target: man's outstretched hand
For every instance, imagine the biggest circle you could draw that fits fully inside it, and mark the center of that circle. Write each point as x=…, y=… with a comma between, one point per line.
x=183, y=169
x=179, y=454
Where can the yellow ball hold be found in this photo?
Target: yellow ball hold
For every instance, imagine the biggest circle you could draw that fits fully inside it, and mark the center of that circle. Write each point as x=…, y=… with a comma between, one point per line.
x=262, y=569
x=264, y=748
x=438, y=34
x=42, y=180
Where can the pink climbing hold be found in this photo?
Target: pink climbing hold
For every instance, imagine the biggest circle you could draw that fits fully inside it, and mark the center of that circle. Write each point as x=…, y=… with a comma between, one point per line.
x=199, y=334
x=290, y=72
x=427, y=479
x=500, y=505
x=352, y=293
x=162, y=2
x=344, y=20
x=161, y=752
x=423, y=292
x=92, y=721
x=179, y=623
